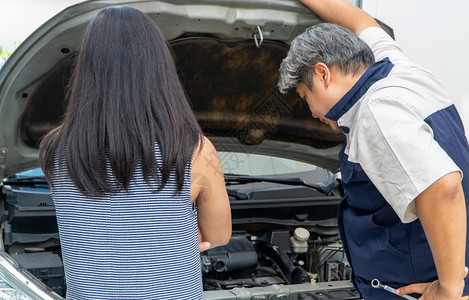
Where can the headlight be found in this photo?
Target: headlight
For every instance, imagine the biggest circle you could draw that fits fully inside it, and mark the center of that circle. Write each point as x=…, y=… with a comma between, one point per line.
x=17, y=283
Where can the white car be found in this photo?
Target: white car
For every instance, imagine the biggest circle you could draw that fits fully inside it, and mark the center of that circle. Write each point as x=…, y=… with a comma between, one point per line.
x=2, y=61
x=280, y=164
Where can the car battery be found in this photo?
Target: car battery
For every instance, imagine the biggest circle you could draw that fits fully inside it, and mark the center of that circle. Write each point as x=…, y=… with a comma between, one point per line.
x=46, y=266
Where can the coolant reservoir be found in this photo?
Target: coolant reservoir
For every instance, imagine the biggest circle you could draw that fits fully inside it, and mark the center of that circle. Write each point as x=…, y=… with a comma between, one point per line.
x=299, y=240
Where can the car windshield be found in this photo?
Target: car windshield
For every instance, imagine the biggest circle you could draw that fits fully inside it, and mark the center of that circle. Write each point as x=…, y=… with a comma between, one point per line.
x=242, y=163
x=268, y=167
x=257, y=165
x=37, y=172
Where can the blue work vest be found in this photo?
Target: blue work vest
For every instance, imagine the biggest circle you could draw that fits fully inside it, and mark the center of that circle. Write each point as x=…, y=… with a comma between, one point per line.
x=377, y=244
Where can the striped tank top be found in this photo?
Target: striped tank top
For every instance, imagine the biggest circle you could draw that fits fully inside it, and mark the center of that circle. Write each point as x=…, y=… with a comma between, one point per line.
x=135, y=244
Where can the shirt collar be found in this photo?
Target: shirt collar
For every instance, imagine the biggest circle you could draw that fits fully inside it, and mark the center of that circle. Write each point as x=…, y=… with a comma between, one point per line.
x=375, y=72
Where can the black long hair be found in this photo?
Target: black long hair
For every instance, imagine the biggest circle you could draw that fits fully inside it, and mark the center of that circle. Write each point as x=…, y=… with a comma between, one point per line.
x=125, y=96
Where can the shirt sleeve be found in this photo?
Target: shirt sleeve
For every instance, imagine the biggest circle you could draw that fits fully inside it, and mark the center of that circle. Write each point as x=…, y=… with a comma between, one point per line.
x=383, y=46
x=397, y=151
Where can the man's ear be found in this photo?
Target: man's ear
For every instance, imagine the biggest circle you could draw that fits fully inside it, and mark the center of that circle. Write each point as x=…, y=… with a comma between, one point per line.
x=323, y=73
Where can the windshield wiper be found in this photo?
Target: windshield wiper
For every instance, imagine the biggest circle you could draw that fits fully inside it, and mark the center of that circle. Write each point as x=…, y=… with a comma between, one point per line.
x=25, y=181
x=230, y=179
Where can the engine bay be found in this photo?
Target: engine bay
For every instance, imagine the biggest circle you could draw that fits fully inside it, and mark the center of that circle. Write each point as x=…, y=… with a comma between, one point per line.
x=277, y=240
x=277, y=257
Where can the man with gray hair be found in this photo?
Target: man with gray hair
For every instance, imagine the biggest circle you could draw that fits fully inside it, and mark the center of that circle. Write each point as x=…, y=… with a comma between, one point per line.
x=403, y=219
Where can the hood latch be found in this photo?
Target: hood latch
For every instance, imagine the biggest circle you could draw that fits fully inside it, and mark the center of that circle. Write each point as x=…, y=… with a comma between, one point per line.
x=258, y=37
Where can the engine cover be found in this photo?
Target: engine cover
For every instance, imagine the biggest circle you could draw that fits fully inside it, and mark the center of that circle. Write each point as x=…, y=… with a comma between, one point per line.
x=237, y=255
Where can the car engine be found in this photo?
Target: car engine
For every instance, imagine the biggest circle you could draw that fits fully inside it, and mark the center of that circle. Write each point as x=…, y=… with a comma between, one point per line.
x=276, y=242
x=276, y=257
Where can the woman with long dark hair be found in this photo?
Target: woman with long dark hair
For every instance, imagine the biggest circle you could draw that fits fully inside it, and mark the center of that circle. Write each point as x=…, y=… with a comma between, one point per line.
x=132, y=177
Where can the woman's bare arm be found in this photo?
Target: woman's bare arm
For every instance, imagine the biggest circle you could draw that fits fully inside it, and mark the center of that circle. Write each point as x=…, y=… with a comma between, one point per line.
x=209, y=192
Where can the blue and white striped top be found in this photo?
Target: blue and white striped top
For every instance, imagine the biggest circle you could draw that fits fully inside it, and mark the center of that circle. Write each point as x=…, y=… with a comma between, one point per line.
x=129, y=245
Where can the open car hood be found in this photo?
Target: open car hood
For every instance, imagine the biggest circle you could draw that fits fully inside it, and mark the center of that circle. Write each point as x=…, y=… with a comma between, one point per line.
x=227, y=53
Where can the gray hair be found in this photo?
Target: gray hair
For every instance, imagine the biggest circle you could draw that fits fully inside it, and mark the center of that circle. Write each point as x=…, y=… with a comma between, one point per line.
x=330, y=44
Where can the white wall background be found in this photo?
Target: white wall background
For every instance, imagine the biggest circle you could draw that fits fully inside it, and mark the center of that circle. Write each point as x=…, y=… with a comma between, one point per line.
x=435, y=35
x=19, y=18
